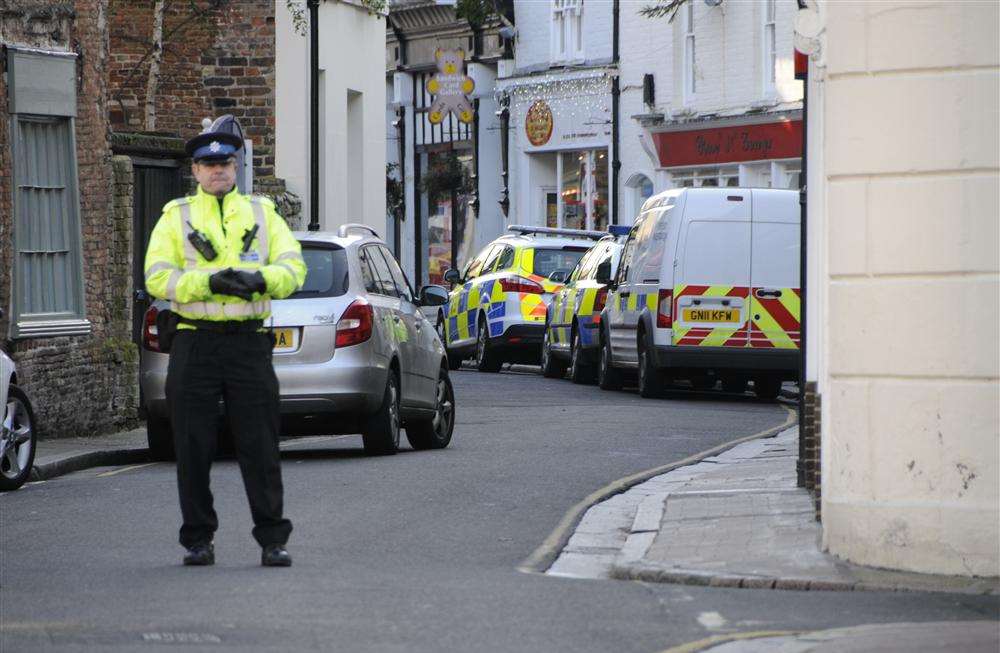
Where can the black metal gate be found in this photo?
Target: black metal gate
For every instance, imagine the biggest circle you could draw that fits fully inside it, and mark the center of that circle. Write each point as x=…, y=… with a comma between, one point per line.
x=156, y=183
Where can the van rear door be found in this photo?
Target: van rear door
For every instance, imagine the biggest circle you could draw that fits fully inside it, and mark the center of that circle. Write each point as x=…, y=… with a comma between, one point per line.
x=774, y=273
x=712, y=283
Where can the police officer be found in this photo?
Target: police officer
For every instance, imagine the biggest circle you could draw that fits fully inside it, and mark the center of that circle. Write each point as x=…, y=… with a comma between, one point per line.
x=219, y=257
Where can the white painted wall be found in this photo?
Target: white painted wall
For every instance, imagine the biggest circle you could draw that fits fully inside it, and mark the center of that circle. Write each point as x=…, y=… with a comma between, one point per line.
x=534, y=23
x=729, y=69
x=910, y=177
x=352, y=58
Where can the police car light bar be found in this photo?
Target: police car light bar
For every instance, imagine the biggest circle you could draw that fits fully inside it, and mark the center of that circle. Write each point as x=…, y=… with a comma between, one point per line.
x=552, y=231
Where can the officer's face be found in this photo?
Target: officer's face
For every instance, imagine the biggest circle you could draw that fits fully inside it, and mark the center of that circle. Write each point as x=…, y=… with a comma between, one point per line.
x=215, y=177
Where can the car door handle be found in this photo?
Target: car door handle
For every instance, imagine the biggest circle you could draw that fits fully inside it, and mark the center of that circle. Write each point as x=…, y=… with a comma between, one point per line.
x=767, y=292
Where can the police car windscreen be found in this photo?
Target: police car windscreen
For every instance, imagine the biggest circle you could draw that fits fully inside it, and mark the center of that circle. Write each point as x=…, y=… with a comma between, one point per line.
x=326, y=274
x=564, y=259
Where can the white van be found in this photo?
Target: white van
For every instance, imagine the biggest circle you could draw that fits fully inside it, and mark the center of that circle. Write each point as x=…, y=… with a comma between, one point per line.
x=707, y=290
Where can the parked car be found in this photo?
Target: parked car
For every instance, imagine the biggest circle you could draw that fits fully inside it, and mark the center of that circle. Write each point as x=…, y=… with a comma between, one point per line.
x=571, y=338
x=17, y=431
x=497, y=305
x=353, y=351
x=707, y=290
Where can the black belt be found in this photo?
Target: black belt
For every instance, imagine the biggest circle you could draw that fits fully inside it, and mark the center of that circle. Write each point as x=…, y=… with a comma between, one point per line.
x=229, y=326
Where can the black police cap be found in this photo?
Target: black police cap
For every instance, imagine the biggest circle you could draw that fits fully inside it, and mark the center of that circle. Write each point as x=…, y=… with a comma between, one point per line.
x=208, y=146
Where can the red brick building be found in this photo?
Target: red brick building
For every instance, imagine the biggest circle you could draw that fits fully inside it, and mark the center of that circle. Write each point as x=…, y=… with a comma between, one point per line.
x=82, y=181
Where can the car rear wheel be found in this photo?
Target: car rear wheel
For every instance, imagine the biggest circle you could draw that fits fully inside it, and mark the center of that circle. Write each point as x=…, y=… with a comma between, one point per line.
x=608, y=377
x=160, y=437
x=435, y=433
x=17, y=440
x=579, y=371
x=380, y=433
x=487, y=359
x=454, y=360
x=551, y=368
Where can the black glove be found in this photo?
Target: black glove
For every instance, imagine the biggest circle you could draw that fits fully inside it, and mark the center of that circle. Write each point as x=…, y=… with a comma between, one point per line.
x=253, y=281
x=230, y=282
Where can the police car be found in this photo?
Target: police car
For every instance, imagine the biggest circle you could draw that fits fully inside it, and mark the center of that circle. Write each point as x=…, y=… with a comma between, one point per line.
x=497, y=305
x=571, y=338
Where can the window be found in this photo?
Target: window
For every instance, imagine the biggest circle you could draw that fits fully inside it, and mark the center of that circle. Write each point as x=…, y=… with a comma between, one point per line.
x=706, y=177
x=368, y=272
x=384, y=285
x=690, y=87
x=491, y=262
x=769, y=48
x=399, y=279
x=567, y=30
x=506, y=258
x=48, y=293
x=547, y=261
x=583, y=189
x=326, y=272
x=476, y=264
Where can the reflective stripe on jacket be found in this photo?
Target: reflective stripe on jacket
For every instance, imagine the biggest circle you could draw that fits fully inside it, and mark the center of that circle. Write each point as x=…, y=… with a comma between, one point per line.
x=176, y=271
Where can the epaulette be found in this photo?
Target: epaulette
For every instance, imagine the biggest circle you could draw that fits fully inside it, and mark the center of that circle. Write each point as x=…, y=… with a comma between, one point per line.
x=177, y=202
x=261, y=199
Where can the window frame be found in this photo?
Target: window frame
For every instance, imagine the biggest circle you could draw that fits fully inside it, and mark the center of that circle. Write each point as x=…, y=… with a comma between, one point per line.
x=769, y=48
x=31, y=76
x=689, y=81
x=566, y=27
x=398, y=276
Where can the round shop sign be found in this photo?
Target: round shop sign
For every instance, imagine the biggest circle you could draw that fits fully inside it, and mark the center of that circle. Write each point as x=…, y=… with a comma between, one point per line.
x=538, y=123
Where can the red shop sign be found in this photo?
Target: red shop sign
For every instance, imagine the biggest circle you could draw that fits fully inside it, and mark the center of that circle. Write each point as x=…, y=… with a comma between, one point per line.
x=775, y=140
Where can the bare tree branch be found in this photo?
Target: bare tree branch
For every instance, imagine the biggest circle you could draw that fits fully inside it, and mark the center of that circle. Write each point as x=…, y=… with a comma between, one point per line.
x=153, y=80
x=663, y=8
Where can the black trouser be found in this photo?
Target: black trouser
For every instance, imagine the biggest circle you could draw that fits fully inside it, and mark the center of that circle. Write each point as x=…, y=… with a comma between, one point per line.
x=204, y=368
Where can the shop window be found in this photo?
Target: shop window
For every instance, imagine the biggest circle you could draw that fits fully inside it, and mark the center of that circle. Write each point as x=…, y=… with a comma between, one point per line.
x=583, y=189
x=706, y=177
x=450, y=221
x=567, y=30
x=48, y=291
x=690, y=87
x=768, y=48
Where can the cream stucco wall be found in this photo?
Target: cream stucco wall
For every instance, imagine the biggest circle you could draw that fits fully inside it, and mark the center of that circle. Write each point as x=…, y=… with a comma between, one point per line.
x=352, y=120
x=905, y=107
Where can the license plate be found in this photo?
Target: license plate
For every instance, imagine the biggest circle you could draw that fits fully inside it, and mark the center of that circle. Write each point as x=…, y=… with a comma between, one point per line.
x=711, y=315
x=284, y=339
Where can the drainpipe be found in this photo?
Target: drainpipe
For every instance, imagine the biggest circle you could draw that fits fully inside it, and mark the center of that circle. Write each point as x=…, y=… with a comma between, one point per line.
x=616, y=163
x=313, y=115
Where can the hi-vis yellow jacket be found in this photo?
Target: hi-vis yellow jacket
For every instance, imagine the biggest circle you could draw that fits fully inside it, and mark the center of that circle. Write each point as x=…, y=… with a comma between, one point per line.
x=176, y=271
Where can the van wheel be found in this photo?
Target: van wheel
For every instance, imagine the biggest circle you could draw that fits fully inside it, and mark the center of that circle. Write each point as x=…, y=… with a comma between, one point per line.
x=650, y=379
x=380, y=432
x=487, y=359
x=454, y=360
x=551, y=368
x=160, y=437
x=435, y=433
x=579, y=372
x=767, y=387
x=608, y=377
x=734, y=384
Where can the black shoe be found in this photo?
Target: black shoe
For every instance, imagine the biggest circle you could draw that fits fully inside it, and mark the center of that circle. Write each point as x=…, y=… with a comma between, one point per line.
x=275, y=555
x=200, y=555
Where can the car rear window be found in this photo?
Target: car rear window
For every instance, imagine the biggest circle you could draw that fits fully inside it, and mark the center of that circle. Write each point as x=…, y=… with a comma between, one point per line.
x=326, y=274
x=547, y=261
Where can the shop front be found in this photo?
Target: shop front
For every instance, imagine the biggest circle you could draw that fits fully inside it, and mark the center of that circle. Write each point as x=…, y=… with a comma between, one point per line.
x=760, y=151
x=562, y=133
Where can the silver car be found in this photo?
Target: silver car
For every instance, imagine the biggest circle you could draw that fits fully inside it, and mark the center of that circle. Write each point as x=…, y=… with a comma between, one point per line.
x=353, y=351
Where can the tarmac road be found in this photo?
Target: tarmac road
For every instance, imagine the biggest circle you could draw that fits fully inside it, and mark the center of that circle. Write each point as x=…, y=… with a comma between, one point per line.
x=415, y=552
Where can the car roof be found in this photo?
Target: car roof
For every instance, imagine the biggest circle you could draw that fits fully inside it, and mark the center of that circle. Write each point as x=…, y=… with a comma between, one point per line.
x=543, y=241
x=331, y=237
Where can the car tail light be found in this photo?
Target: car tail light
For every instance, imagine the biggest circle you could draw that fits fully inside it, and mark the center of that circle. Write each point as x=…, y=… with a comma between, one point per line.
x=150, y=338
x=355, y=325
x=665, y=309
x=600, y=299
x=520, y=284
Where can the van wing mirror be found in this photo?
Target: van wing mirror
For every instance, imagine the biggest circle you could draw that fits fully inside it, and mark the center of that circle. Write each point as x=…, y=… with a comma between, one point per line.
x=451, y=275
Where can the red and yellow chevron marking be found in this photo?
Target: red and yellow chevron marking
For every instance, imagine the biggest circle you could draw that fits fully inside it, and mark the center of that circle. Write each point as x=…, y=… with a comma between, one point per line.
x=725, y=336
x=775, y=320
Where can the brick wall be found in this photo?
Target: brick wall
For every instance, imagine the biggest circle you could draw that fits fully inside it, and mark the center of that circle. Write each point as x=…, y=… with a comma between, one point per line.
x=78, y=385
x=218, y=57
